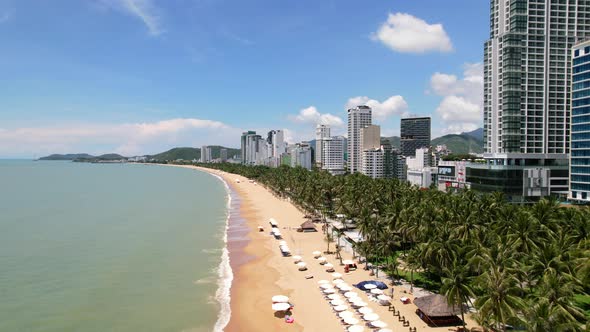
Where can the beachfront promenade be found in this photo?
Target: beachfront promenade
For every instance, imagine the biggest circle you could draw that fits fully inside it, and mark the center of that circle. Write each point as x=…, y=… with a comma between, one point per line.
x=269, y=273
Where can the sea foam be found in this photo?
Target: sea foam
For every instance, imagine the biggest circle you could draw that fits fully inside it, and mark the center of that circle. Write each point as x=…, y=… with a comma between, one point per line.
x=224, y=272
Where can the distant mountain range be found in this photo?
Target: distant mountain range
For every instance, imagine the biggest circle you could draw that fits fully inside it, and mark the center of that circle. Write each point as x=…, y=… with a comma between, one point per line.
x=185, y=153
x=469, y=142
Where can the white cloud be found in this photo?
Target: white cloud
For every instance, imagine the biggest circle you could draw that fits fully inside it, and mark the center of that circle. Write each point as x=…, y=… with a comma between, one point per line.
x=144, y=10
x=313, y=116
x=394, y=105
x=462, y=105
x=408, y=34
x=127, y=139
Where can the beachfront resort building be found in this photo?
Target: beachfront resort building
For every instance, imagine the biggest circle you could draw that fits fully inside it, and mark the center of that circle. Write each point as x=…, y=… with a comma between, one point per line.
x=321, y=132
x=302, y=155
x=580, y=124
x=414, y=134
x=223, y=155
x=527, y=78
x=332, y=155
x=358, y=118
x=206, y=154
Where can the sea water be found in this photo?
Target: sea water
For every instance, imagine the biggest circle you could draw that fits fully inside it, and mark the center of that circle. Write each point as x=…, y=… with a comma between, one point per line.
x=112, y=247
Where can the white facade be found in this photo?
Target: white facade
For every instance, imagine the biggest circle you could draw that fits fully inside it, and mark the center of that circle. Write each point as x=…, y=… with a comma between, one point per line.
x=421, y=177
x=527, y=75
x=206, y=154
x=358, y=118
x=421, y=160
x=372, y=163
x=301, y=155
x=333, y=155
x=321, y=132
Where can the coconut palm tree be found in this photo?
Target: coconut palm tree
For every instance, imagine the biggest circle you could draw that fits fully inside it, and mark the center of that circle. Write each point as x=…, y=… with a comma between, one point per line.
x=456, y=286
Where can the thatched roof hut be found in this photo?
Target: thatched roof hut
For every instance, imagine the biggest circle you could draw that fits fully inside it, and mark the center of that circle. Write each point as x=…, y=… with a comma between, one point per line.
x=308, y=226
x=436, y=305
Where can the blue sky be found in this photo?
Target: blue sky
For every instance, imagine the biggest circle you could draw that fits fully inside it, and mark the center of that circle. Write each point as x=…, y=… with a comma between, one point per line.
x=141, y=76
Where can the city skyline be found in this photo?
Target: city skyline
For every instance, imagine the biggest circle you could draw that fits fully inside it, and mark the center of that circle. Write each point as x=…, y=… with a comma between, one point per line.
x=139, y=77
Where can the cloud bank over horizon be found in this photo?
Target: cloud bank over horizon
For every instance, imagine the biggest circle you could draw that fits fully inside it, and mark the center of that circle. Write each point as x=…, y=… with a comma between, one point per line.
x=128, y=139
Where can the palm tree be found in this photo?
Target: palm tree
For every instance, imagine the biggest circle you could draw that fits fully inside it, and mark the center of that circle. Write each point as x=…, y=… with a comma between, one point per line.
x=500, y=300
x=456, y=286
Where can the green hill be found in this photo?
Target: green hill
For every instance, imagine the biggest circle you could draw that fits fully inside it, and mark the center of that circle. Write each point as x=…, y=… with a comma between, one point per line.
x=187, y=153
x=393, y=140
x=460, y=144
x=70, y=156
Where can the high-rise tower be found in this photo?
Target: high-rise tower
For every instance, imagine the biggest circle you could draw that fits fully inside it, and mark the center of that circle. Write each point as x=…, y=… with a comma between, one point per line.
x=527, y=77
x=358, y=118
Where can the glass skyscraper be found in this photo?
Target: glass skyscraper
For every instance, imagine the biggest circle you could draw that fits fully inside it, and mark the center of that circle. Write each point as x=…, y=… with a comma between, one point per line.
x=580, y=124
x=414, y=134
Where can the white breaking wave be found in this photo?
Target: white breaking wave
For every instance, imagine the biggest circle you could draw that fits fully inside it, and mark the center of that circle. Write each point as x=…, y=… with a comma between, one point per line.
x=224, y=272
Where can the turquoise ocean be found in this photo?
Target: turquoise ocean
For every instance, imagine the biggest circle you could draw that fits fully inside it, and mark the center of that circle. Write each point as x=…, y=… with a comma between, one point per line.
x=112, y=247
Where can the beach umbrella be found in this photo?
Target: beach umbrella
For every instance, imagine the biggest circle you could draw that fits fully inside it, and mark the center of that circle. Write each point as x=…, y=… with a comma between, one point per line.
x=383, y=297
x=371, y=317
x=345, y=314
x=337, y=281
x=350, y=320
x=326, y=286
x=334, y=297
x=378, y=323
x=345, y=288
x=336, y=302
x=359, y=304
x=342, y=285
x=336, y=275
x=385, y=330
x=301, y=264
x=328, y=265
x=281, y=306
x=369, y=286
x=376, y=291
x=322, y=260
x=329, y=291
x=351, y=294
x=280, y=298
x=323, y=282
x=316, y=254
x=356, y=328
x=347, y=262
x=340, y=308
x=297, y=258
x=365, y=310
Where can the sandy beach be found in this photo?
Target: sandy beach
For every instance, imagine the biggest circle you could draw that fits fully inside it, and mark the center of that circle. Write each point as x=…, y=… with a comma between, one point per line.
x=260, y=271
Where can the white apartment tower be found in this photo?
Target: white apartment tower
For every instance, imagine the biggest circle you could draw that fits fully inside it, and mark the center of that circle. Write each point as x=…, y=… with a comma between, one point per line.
x=333, y=155
x=358, y=118
x=206, y=154
x=372, y=163
x=527, y=78
x=527, y=69
x=321, y=132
